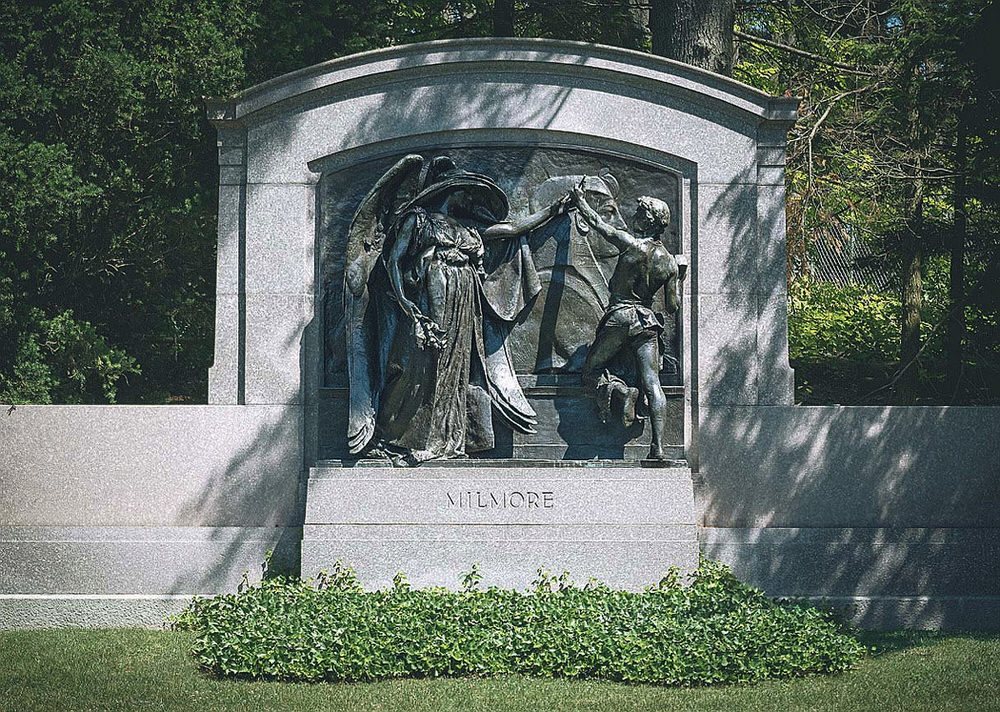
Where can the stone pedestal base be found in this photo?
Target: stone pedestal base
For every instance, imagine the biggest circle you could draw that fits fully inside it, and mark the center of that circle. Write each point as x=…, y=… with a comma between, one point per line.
x=623, y=525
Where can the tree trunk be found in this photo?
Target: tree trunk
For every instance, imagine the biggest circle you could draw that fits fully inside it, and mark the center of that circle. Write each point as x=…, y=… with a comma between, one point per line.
x=503, y=18
x=698, y=32
x=640, y=21
x=956, y=286
x=913, y=292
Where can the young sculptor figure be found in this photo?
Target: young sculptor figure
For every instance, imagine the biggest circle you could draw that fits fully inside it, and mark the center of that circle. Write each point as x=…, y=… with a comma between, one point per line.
x=644, y=266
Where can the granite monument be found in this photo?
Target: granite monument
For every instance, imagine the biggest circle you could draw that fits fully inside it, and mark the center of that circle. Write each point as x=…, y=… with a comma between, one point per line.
x=116, y=515
x=426, y=251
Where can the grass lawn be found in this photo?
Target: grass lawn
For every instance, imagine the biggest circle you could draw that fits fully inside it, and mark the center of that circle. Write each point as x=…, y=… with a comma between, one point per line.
x=151, y=670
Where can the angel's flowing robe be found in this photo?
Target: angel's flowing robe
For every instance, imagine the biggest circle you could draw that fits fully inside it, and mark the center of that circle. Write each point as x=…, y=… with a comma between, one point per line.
x=438, y=402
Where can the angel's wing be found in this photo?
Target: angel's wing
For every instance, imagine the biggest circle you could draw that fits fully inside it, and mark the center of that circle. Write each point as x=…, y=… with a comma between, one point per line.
x=364, y=246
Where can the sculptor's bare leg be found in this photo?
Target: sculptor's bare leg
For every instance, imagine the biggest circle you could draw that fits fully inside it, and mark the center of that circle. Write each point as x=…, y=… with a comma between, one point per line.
x=647, y=357
x=607, y=343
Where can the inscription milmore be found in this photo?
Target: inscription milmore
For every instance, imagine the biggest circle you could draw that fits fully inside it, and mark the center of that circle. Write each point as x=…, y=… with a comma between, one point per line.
x=516, y=499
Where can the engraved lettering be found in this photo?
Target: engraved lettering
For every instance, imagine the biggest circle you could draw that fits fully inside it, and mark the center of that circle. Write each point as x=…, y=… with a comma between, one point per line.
x=516, y=499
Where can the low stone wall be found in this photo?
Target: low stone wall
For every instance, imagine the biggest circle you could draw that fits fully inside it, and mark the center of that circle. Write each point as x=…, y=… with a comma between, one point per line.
x=115, y=515
x=893, y=512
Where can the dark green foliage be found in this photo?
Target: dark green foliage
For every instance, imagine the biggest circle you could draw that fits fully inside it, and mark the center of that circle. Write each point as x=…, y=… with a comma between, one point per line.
x=107, y=220
x=843, y=342
x=108, y=170
x=620, y=23
x=292, y=34
x=714, y=630
x=827, y=321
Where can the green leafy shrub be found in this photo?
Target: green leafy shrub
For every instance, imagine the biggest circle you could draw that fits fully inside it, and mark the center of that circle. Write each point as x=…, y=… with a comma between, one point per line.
x=714, y=630
x=843, y=342
x=829, y=321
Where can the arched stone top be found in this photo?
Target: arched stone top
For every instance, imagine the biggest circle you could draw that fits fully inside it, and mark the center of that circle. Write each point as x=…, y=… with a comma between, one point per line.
x=497, y=58
x=292, y=147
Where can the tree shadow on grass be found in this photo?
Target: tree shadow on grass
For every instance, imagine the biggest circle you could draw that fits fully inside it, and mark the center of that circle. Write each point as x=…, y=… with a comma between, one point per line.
x=887, y=643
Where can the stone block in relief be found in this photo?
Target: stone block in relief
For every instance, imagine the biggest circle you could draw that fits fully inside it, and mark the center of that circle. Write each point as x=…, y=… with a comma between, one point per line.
x=140, y=560
x=275, y=325
x=729, y=238
x=858, y=466
x=224, y=373
x=156, y=466
x=500, y=495
x=727, y=348
x=31, y=611
x=280, y=239
x=510, y=564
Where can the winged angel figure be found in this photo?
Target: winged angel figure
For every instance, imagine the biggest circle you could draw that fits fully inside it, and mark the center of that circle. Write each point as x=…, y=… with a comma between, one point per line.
x=436, y=276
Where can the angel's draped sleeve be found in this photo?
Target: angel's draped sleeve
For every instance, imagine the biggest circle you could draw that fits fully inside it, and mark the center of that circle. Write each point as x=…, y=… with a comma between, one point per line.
x=511, y=278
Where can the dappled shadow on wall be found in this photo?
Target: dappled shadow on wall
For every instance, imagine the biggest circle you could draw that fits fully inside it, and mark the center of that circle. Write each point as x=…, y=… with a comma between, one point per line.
x=856, y=503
